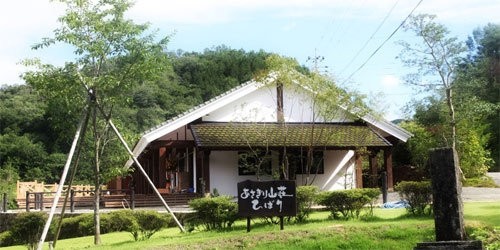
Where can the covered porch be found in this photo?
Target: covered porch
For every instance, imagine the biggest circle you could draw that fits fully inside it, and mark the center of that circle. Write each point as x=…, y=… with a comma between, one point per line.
x=180, y=162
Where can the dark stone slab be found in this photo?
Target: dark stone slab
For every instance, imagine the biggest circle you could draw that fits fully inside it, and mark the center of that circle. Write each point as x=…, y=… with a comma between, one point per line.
x=446, y=193
x=450, y=245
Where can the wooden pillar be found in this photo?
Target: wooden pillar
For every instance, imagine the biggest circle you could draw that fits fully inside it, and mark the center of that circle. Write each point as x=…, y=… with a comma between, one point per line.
x=359, y=170
x=373, y=168
x=279, y=99
x=162, y=167
x=388, y=168
x=206, y=170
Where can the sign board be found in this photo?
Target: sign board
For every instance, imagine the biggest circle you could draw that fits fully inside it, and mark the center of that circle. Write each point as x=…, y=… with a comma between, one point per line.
x=267, y=198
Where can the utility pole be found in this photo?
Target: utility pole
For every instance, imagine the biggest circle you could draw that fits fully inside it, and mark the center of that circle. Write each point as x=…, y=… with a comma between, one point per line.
x=316, y=60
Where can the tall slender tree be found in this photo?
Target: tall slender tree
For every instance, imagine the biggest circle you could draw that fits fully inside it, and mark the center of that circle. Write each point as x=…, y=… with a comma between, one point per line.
x=111, y=54
x=436, y=57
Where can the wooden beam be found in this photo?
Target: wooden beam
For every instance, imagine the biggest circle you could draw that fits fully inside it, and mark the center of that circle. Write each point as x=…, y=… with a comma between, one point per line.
x=359, y=170
x=388, y=168
x=373, y=168
x=206, y=170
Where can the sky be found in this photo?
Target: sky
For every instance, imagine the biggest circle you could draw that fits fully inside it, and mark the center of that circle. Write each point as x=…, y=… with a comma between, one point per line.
x=343, y=34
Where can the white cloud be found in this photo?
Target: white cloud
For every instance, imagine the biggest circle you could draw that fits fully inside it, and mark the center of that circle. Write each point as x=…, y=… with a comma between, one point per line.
x=390, y=81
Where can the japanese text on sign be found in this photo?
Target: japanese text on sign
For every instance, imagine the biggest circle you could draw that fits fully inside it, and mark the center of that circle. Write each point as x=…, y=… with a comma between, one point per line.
x=269, y=198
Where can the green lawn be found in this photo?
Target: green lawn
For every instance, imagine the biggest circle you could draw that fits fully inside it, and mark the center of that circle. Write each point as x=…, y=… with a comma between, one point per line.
x=391, y=230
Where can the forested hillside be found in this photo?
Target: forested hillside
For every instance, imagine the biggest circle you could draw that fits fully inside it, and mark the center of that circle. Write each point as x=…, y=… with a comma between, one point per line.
x=35, y=134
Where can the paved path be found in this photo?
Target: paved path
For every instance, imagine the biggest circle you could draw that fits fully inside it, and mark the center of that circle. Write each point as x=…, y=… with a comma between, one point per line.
x=495, y=176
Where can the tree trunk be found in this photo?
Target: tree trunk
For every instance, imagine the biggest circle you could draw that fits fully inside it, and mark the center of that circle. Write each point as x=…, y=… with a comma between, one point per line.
x=449, y=102
x=97, y=186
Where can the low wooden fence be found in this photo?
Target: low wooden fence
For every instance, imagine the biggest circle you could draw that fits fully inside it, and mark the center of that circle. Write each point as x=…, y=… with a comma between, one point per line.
x=40, y=187
x=111, y=198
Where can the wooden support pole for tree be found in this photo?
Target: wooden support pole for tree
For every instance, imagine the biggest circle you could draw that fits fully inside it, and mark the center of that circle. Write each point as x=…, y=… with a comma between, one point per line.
x=139, y=166
x=62, y=180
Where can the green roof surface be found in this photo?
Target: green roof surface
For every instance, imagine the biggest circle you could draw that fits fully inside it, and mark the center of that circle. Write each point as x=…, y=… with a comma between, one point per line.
x=237, y=135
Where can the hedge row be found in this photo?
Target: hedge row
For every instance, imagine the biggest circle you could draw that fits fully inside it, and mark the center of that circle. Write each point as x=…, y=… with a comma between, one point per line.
x=27, y=227
x=221, y=212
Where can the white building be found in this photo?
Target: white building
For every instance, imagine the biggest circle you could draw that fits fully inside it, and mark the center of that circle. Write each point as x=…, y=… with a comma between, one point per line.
x=217, y=144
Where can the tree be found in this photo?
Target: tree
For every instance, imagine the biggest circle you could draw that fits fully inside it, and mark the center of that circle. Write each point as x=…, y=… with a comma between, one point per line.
x=480, y=83
x=112, y=55
x=328, y=102
x=436, y=58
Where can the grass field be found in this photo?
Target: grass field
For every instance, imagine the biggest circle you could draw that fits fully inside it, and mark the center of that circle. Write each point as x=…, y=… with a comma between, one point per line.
x=390, y=229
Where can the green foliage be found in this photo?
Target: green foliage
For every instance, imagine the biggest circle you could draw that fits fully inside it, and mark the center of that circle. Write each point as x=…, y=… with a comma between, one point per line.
x=77, y=226
x=216, y=70
x=27, y=228
x=418, y=146
x=150, y=222
x=347, y=204
x=418, y=194
x=141, y=224
x=474, y=158
x=306, y=198
x=214, y=213
x=6, y=239
x=483, y=181
x=121, y=220
x=9, y=178
x=487, y=234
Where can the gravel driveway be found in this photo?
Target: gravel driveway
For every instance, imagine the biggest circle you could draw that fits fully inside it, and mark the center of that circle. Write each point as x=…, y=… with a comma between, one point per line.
x=469, y=194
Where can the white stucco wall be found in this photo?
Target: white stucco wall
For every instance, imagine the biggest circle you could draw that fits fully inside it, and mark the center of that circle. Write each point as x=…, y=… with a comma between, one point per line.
x=339, y=171
x=224, y=172
x=261, y=106
x=338, y=174
x=258, y=106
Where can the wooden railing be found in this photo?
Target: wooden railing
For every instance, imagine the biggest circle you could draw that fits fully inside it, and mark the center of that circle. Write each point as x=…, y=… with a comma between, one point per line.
x=112, y=198
x=40, y=187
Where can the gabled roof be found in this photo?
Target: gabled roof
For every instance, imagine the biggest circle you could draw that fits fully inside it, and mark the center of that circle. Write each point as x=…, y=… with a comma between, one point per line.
x=233, y=95
x=272, y=135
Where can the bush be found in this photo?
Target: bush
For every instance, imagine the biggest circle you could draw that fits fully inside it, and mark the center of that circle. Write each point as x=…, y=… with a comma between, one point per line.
x=418, y=194
x=6, y=239
x=348, y=204
x=306, y=197
x=141, y=224
x=486, y=233
x=78, y=226
x=214, y=212
x=149, y=223
x=27, y=228
x=121, y=220
x=483, y=181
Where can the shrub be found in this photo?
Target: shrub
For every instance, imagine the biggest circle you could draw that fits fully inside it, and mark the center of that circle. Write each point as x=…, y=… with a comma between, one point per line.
x=6, y=239
x=214, y=212
x=149, y=223
x=483, y=181
x=122, y=220
x=306, y=197
x=348, y=203
x=78, y=226
x=418, y=194
x=141, y=224
x=27, y=228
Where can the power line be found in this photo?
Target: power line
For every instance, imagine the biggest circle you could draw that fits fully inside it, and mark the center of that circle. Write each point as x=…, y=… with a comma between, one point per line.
x=383, y=43
x=371, y=37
